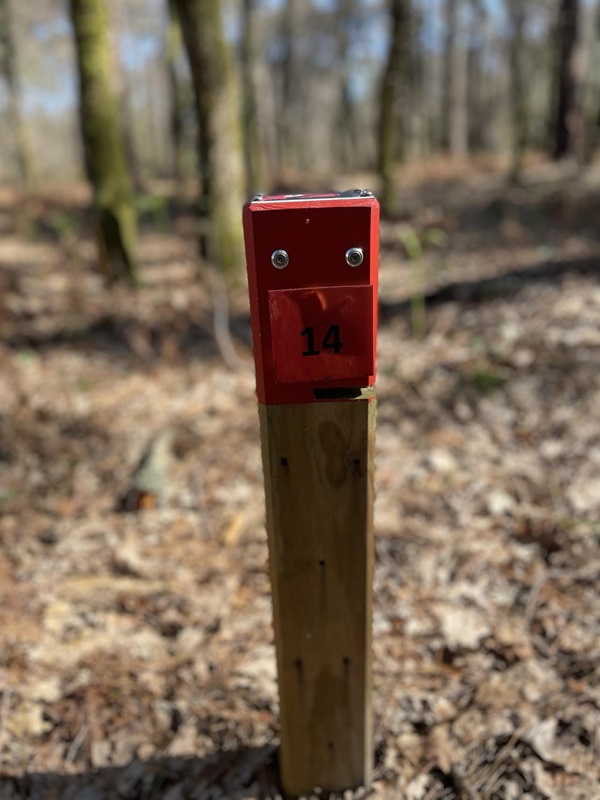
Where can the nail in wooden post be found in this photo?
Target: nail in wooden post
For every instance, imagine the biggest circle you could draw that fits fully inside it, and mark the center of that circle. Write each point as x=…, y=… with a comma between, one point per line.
x=312, y=273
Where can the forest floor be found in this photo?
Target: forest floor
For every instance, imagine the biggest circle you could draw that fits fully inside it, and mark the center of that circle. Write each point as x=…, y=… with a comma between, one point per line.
x=136, y=647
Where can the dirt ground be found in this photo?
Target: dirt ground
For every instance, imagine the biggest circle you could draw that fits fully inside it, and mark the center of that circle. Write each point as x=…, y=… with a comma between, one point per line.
x=136, y=648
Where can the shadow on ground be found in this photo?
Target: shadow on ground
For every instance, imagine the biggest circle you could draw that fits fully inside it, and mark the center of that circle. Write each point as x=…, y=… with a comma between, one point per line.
x=556, y=200
x=498, y=286
x=192, y=335
x=128, y=336
x=233, y=774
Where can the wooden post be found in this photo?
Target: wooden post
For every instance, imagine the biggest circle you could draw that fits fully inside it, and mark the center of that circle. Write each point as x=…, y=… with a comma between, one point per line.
x=314, y=342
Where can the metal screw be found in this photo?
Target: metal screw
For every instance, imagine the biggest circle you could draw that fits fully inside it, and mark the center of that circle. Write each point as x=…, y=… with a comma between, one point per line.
x=354, y=257
x=280, y=259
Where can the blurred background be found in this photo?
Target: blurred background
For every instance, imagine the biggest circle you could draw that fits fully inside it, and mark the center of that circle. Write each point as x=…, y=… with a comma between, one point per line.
x=303, y=92
x=470, y=77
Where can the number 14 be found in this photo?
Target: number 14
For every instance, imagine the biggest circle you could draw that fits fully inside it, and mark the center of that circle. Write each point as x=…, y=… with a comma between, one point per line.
x=331, y=340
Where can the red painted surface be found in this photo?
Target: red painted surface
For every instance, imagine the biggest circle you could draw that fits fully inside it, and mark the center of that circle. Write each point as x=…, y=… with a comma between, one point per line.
x=322, y=334
x=316, y=291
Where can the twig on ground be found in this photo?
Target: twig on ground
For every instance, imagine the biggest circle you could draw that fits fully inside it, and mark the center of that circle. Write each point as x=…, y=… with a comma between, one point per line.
x=76, y=743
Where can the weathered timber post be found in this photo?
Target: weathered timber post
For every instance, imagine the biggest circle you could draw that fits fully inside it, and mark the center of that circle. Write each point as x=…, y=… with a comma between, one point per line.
x=312, y=273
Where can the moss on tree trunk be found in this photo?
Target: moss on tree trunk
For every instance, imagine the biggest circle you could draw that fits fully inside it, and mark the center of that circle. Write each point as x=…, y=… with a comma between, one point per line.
x=103, y=144
x=220, y=139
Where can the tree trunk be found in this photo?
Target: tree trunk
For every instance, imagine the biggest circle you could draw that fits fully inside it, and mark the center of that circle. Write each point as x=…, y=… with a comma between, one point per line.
x=414, y=129
x=104, y=149
x=455, y=112
x=345, y=134
x=176, y=99
x=254, y=150
x=567, y=115
x=590, y=106
x=516, y=11
x=478, y=95
x=220, y=140
x=8, y=67
x=117, y=23
x=391, y=89
x=291, y=148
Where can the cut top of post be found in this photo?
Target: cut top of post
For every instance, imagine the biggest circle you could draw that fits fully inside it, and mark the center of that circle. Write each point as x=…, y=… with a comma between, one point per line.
x=312, y=274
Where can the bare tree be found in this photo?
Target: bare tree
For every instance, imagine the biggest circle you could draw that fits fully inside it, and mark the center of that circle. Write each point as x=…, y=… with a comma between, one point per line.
x=117, y=24
x=347, y=22
x=254, y=149
x=391, y=90
x=518, y=101
x=220, y=138
x=8, y=68
x=173, y=46
x=104, y=148
x=292, y=116
x=567, y=121
x=478, y=89
x=455, y=106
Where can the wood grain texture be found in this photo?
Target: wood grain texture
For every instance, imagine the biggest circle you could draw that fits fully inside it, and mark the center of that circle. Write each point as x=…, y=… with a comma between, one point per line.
x=318, y=464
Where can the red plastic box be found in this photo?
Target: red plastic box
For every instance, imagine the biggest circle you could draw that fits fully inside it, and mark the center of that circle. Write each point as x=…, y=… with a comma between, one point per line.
x=313, y=301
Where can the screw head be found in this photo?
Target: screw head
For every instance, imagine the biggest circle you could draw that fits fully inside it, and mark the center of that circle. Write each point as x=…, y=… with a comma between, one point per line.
x=280, y=259
x=354, y=257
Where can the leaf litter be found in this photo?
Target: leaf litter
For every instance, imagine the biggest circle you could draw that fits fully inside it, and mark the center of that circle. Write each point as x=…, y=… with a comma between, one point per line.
x=136, y=648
